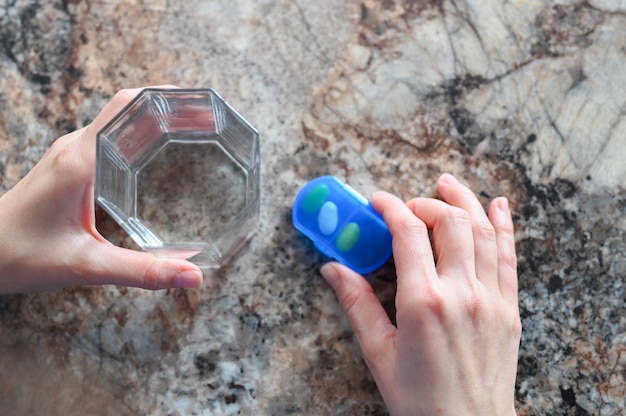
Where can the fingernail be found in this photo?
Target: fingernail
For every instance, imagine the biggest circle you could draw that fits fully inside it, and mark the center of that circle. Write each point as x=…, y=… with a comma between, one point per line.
x=448, y=178
x=330, y=274
x=503, y=204
x=188, y=279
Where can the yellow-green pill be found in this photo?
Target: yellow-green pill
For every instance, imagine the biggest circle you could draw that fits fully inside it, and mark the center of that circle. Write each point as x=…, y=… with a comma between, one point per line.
x=348, y=237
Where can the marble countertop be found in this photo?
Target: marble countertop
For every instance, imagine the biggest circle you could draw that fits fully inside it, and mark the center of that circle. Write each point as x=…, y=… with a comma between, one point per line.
x=524, y=98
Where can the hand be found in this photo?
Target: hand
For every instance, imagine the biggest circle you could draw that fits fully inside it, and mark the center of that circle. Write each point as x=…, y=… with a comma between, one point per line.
x=454, y=350
x=48, y=238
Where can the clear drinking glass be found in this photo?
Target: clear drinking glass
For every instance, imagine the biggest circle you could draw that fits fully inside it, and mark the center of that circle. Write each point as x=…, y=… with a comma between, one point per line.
x=178, y=170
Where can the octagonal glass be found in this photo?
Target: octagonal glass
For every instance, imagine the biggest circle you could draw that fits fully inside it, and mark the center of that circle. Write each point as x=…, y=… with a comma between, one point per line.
x=178, y=170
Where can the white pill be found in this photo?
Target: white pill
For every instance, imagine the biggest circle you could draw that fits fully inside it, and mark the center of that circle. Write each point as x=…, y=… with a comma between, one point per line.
x=327, y=219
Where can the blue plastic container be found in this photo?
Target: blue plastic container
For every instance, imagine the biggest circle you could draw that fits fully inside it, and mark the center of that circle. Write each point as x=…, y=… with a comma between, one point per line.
x=342, y=224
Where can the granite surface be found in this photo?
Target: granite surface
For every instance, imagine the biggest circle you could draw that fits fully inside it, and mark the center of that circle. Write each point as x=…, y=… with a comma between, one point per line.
x=524, y=98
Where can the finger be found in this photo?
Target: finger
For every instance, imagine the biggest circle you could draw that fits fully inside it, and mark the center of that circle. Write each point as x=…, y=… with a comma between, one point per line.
x=452, y=236
x=367, y=317
x=454, y=193
x=108, y=264
x=412, y=252
x=500, y=216
x=119, y=101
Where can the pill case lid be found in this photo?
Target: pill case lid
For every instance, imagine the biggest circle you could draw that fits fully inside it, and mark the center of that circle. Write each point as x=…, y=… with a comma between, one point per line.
x=342, y=224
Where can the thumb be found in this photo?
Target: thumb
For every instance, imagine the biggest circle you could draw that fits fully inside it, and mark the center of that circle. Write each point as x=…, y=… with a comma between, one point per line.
x=123, y=267
x=367, y=317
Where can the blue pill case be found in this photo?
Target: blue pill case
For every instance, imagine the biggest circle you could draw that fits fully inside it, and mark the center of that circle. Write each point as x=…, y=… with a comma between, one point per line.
x=342, y=224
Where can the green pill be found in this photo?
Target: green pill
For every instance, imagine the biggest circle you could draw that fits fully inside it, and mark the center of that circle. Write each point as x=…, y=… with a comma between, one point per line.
x=348, y=237
x=314, y=200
